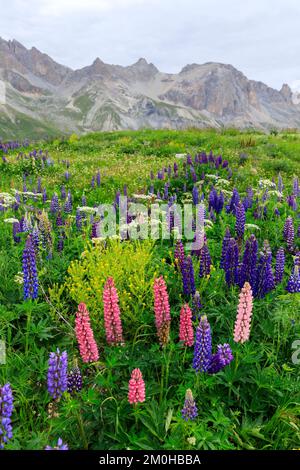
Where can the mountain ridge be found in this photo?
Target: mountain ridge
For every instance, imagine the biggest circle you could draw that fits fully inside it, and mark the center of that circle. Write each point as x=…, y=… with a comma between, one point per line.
x=103, y=96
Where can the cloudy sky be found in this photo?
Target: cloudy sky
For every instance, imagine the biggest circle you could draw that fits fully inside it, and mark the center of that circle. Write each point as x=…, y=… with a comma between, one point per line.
x=259, y=37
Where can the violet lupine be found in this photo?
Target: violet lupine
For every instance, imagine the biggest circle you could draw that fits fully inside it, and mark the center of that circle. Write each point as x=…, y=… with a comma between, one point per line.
x=63, y=193
x=264, y=281
x=161, y=310
x=179, y=253
x=205, y=260
x=203, y=347
x=293, y=285
x=280, y=184
x=220, y=359
x=54, y=206
x=57, y=379
x=225, y=242
x=240, y=220
x=248, y=266
x=78, y=220
x=195, y=195
x=30, y=276
x=279, y=267
x=189, y=410
x=296, y=189
x=68, y=205
x=44, y=196
x=244, y=314
x=6, y=409
x=112, y=316
x=231, y=262
x=289, y=233
x=196, y=305
x=235, y=199
x=186, y=332
x=16, y=232
x=60, y=243
x=74, y=380
x=59, y=446
x=136, y=387
x=188, y=276
x=98, y=178
x=59, y=220
x=85, y=336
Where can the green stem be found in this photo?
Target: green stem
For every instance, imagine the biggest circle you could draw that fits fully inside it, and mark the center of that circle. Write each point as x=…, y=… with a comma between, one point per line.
x=82, y=432
x=28, y=330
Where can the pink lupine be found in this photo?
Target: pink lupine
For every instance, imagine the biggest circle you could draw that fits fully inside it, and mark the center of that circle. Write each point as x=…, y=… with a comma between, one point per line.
x=244, y=313
x=112, y=317
x=136, y=391
x=161, y=309
x=85, y=336
x=186, y=333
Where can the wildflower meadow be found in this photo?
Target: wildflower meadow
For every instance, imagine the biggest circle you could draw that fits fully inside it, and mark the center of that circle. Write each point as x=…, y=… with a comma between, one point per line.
x=112, y=338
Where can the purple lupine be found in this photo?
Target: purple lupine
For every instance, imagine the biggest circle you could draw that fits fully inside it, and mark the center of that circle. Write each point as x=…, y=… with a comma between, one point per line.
x=203, y=348
x=30, y=277
x=235, y=199
x=93, y=182
x=189, y=411
x=74, y=381
x=98, y=178
x=54, y=206
x=205, y=260
x=6, y=409
x=293, y=285
x=36, y=238
x=219, y=203
x=280, y=183
x=264, y=278
x=94, y=233
x=44, y=196
x=188, y=277
x=222, y=358
x=16, y=232
x=60, y=243
x=226, y=239
x=240, y=220
x=279, y=267
x=196, y=305
x=78, y=220
x=59, y=446
x=195, y=195
x=212, y=198
x=247, y=269
x=179, y=253
x=57, y=379
x=39, y=185
x=296, y=189
x=63, y=193
x=289, y=233
x=231, y=262
x=67, y=176
x=83, y=200
x=59, y=220
x=68, y=205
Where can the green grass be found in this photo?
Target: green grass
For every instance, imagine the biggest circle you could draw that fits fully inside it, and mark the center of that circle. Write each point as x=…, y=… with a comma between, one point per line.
x=254, y=403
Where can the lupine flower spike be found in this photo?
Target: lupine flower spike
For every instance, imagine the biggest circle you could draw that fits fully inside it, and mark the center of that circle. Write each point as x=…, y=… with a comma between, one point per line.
x=186, y=333
x=85, y=336
x=203, y=347
x=57, y=374
x=136, y=389
x=30, y=276
x=189, y=411
x=6, y=409
x=112, y=316
x=244, y=314
x=161, y=310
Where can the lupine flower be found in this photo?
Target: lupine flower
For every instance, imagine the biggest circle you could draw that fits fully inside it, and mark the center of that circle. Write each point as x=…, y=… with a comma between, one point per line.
x=296, y=189
x=136, y=387
x=188, y=276
x=279, y=269
x=289, y=233
x=57, y=374
x=16, y=231
x=63, y=193
x=59, y=446
x=59, y=220
x=264, y=281
x=44, y=196
x=45, y=230
x=240, y=220
x=6, y=409
x=98, y=178
x=68, y=206
x=186, y=333
x=161, y=310
x=60, y=243
x=235, y=199
x=222, y=358
x=226, y=239
x=54, y=206
x=231, y=262
x=74, y=381
x=280, y=184
x=195, y=195
x=293, y=285
x=78, y=220
x=244, y=314
x=112, y=316
x=248, y=267
x=196, y=305
x=85, y=336
x=179, y=253
x=203, y=348
x=189, y=411
x=205, y=260
x=30, y=276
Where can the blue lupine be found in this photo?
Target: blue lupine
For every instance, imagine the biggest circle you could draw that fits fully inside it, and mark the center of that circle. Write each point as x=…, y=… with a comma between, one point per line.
x=6, y=409
x=30, y=277
x=226, y=239
x=188, y=278
x=247, y=270
x=98, y=178
x=293, y=285
x=54, y=206
x=264, y=278
x=222, y=358
x=240, y=220
x=203, y=347
x=16, y=232
x=57, y=378
x=289, y=233
x=235, y=199
x=231, y=262
x=205, y=260
x=74, y=381
x=195, y=194
x=189, y=411
x=279, y=268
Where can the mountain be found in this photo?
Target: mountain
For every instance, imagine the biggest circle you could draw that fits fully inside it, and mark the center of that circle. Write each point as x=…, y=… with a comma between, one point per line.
x=41, y=97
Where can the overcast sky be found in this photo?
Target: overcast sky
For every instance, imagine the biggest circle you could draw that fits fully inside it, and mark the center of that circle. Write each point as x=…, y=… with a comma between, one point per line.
x=259, y=37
